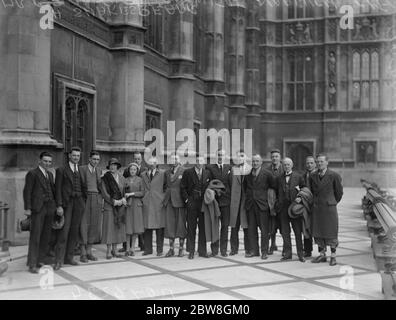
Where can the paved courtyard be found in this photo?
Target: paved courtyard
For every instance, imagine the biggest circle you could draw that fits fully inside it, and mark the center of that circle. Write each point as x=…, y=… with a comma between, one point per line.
x=230, y=278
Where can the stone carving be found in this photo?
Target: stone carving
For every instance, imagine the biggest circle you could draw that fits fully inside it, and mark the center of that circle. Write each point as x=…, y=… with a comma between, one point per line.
x=365, y=29
x=332, y=66
x=299, y=33
x=332, y=95
x=332, y=30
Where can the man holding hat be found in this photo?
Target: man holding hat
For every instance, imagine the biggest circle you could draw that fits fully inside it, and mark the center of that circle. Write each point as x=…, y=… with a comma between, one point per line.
x=277, y=170
x=288, y=185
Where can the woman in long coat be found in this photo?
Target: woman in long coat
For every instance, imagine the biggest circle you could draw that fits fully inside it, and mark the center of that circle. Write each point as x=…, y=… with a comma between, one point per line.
x=134, y=211
x=114, y=208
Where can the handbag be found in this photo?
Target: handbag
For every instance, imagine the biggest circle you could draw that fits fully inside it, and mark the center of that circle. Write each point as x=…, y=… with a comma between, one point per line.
x=25, y=224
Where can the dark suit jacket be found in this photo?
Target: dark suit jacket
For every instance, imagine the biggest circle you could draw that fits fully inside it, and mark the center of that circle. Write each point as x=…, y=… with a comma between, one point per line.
x=295, y=180
x=189, y=184
x=306, y=178
x=226, y=178
x=172, y=188
x=34, y=190
x=256, y=189
x=64, y=185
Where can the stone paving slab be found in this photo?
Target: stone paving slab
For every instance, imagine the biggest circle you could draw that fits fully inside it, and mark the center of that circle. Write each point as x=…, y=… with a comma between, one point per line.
x=219, y=278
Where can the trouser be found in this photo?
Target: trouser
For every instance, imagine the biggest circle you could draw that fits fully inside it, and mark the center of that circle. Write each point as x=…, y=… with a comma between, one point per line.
x=275, y=225
x=234, y=240
x=285, y=231
x=148, y=240
x=258, y=218
x=195, y=217
x=140, y=242
x=40, y=233
x=225, y=222
x=308, y=245
x=68, y=236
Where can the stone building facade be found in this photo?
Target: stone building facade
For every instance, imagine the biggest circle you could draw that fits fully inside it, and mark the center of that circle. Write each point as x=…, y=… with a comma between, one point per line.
x=106, y=73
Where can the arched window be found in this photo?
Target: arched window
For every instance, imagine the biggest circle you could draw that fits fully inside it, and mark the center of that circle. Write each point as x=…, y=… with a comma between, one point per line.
x=153, y=36
x=356, y=65
x=374, y=65
x=365, y=66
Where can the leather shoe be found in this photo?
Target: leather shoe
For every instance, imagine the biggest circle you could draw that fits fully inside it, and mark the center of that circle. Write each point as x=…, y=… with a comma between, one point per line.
x=146, y=253
x=233, y=253
x=224, y=254
x=121, y=250
x=40, y=264
x=84, y=259
x=159, y=254
x=191, y=255
x=250, y=255
x=72, y=262
x=286, y=258
x=264, y=256
x=57, y=266
x=170, y=253
x=301, y=259
x=319, y=259
x=204, y=255
x=212, y=255
x=307, y=254
x=92, y=257
x=181, y=253
x=33, y=270
x=270, y=251
x=333, y=261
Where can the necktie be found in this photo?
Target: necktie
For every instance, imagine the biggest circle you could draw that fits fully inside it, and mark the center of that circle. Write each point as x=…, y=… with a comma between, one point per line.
x=75, y=168
x=151, y=175
x=46, y=174
x=221, y=169
x=199, y=174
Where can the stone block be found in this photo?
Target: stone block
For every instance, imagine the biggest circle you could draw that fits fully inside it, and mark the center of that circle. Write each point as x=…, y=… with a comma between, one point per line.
x=25, y=119
x=41, y=119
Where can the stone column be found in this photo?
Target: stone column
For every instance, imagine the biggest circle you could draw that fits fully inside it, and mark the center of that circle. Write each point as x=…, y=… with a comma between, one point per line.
x=127, y=116
x=25, y=76
x=235, y=24
x=179, y=41
x=213, y=69
x=252, y=74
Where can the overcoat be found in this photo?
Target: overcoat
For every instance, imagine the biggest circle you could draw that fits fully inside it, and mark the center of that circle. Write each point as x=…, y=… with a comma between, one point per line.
x=237, y=204
x=327, y=192
x=153, y=209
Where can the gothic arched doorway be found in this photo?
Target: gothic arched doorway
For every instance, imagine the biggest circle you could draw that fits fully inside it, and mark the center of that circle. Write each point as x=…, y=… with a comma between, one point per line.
x=298, y=151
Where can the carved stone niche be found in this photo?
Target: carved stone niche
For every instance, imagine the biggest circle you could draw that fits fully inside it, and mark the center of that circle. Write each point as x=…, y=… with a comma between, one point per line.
x=332, y=29
x=298, y=33
x=365, y=29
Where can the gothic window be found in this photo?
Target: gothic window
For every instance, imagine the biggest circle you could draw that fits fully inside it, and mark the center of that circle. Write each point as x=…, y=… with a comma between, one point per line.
x=197, y=126
x=78, y=122
x=366, y=152
x=153, y=36
x=300, y=80
x=365, y=79
x=297, y=9
x=153, y=121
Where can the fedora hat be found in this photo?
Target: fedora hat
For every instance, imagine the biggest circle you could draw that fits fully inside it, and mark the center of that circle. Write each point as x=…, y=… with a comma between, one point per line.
x=296, y=210
x=113, y=161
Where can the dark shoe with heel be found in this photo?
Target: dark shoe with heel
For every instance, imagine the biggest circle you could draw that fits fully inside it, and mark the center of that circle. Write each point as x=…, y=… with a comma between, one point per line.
x=319, y=259
x=333, y=261
x=191, y=255
x=170, y=253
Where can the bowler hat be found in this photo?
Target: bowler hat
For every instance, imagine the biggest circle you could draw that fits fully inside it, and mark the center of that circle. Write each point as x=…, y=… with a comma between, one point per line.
x=113, y=161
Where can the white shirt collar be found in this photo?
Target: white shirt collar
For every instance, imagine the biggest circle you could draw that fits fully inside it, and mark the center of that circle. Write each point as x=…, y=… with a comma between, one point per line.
x=71, y=164
x=43, y=171
x=91, y=168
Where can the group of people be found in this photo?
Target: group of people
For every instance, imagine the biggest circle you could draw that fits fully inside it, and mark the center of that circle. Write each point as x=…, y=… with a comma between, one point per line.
x=85, y=205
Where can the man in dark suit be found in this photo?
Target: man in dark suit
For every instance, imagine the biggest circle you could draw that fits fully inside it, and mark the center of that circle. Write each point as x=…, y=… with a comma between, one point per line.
x=138, y=159
x=327, y=192
x=70, y=201
x=39, y=203
x=310, y=168
x=288, y=185
x=256, y=186
x=193, y=185
x=222, y=172
x=276, y=169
